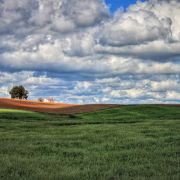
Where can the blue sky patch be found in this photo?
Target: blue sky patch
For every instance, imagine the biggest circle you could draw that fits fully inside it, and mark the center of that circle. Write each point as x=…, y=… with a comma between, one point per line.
x=116, y=4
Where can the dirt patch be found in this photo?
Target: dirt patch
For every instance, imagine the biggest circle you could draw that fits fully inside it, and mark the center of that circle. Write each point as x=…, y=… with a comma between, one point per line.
x=59, y=108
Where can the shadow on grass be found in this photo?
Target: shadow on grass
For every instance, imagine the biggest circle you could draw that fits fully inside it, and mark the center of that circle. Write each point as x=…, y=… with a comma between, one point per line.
x=94, y=123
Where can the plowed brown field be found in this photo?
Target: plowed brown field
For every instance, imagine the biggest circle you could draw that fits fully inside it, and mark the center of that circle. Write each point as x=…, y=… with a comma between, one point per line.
x=59, y=108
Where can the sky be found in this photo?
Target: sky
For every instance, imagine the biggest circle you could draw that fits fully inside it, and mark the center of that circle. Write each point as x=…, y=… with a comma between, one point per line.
x=81, y=51
x=114, y=5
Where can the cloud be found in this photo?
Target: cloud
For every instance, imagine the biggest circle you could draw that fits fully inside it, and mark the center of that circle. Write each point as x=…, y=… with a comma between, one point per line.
x=155, y=50
x=163, y=9
x=148, y=30
x=56, y=15
x=166, y=85
x=84, y=54
x=135, y=27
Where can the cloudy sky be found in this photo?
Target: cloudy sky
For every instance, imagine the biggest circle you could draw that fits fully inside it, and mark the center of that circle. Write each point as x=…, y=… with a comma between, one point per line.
x=91, y=51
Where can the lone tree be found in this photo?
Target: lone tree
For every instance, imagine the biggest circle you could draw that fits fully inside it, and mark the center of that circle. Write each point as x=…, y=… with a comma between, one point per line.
x=40, y=99
x=18, y=92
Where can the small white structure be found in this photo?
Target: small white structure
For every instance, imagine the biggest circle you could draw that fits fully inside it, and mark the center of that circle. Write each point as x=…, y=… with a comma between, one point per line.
x=50, y=99
x=46, y=100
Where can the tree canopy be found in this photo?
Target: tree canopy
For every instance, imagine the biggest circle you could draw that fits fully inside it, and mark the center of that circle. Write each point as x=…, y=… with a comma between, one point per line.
x=18, y=92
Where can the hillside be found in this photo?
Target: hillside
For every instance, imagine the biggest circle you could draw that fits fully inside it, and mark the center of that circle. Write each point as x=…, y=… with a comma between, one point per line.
x=59, y=108
x=125, y=142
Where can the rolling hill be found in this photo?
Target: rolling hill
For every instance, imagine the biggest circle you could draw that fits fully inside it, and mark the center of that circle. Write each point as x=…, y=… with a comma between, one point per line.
x=59, y=108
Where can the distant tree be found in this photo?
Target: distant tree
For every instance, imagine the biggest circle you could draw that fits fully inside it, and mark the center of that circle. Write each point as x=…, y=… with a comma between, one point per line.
x=50, y=99
x=18, y=92
x=40, y=99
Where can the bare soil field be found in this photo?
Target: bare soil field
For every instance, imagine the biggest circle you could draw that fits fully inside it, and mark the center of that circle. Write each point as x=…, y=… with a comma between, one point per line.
x=59, y=108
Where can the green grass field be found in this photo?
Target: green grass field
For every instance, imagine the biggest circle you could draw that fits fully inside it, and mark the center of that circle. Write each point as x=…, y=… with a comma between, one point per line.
x=128, y=142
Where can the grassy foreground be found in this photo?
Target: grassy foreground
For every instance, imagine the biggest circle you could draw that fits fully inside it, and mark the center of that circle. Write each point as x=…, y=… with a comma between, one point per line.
x=129, y=142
